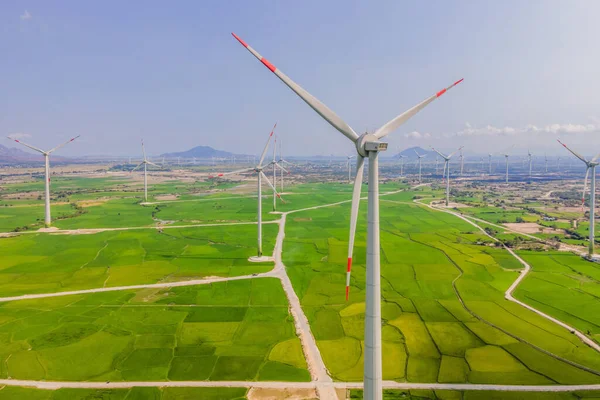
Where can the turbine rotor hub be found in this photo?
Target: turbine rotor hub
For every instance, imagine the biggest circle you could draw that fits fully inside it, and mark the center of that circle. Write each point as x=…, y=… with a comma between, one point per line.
x=367, y=143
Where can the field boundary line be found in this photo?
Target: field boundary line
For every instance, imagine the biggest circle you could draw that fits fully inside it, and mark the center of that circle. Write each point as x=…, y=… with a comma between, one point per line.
x=508, y=296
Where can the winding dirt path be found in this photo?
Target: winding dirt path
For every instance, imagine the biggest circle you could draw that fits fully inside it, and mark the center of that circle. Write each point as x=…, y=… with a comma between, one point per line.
x=508, y=294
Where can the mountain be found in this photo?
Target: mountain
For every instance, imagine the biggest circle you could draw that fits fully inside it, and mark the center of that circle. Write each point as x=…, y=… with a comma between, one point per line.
x=199, y=152
x=410, y=153
x=12, y=155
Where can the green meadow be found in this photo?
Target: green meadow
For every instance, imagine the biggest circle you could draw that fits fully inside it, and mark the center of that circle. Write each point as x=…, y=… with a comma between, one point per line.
x=445, y=316
x=42, y=263
x=238, y=330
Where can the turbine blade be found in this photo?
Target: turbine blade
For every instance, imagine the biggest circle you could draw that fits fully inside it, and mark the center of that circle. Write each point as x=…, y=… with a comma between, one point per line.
x=587, y=173
x=443, y=156
x=405, y=116
x=281, y=168
x=239, y=171
x=264, y=153
x=271, y=185
x=360, y=163
x=27, y=145
x=139, y=165
x=151, y=163
x=61, y=145
x=595, y=158
x=582, y=158
x=459, y=149
x=309, y=99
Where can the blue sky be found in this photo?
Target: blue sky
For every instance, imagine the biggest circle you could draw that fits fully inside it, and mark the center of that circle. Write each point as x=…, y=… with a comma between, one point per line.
x=171, y=73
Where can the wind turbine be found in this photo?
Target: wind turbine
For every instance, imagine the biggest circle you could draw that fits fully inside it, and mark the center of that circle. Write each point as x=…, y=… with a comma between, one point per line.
x=260, y=175
x=349, y=166
x=419, y=159
x=482, y=167
x=590, y=165
x=402, y=164
x=367, y=145
x=447, y=171
x=529, y=156
x=506, y=158
x=46, y=154
x=145, y=163
x=490, y=163
x=462, y=162
x=275, y=166
x=546, y=162
x=280, y=162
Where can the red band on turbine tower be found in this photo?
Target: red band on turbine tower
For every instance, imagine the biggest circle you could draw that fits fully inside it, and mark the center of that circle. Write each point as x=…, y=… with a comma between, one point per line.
x=268, y=64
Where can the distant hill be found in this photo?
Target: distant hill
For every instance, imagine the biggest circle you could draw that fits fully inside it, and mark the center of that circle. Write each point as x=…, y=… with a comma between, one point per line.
x=410, y=153
x=199, y=152
x=13, y=155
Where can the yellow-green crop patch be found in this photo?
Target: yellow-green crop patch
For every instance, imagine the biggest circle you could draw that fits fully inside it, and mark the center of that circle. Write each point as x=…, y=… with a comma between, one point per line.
x=176, y=334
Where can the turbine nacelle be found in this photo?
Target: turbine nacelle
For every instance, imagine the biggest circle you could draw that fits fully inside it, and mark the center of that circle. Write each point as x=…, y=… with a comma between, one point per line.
x=368, y=142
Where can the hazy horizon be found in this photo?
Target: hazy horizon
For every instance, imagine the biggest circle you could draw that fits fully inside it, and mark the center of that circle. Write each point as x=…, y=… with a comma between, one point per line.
x=115, y=73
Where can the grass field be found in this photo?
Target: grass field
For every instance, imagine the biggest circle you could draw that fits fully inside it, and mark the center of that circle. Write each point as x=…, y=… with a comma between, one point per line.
x=138, y=393
x=238, y=330
x=41, y=263
x=428, y=335
x=476, y=395
x=565, y=286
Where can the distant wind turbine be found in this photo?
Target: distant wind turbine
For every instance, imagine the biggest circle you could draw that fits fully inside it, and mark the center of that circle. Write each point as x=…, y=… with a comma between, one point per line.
x=402, y=164
x=46, y=154
x=145, y=162
x=349, y=166
x=260, y=176
x=590, y=166
x=419, y=159
x=447, y=171
x=530, y=157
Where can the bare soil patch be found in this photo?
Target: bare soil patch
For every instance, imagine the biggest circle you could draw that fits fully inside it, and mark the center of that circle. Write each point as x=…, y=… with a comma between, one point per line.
x=531, y=227
x=277, y=394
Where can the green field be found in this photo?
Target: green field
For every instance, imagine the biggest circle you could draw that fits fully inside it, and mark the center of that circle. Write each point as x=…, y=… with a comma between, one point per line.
x=40, y=263
x=429, y=336
x=238, y=330
x=138, y=393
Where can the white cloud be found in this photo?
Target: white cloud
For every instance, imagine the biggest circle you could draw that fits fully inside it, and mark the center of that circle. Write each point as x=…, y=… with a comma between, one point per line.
x=555, y=129
x=417, y=135
x=19, y=135
x=25, y=16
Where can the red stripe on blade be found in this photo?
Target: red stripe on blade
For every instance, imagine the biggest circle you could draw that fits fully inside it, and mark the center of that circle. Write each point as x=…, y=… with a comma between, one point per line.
x=349, y=264
x=347, y=290
x=458, y=81
x=239, y=39
x=441, y=92
x=220, y=175
x=268, y=64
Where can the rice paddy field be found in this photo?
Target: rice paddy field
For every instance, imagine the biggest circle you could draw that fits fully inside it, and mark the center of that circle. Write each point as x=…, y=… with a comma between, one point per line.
x=445, y=318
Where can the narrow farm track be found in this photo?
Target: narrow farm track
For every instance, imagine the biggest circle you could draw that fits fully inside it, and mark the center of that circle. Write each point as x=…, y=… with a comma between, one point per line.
x=522, y=274
x=54, y=385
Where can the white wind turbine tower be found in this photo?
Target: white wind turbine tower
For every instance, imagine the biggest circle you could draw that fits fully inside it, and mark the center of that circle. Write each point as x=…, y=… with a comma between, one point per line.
x=46, y=154
x=546, y=162
x=506, y=158
x=447, y=171
x=436, y=164
x=145, y=163
x=280, y=162
x=530, y=159
x=349, y=166
x=490, y=163
x=419, y=159
x=402, y=164
x=367, y=145
x=260, y=176
x=462, y=162
x=276, y=165
x=482, y=167
x=590, y=165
